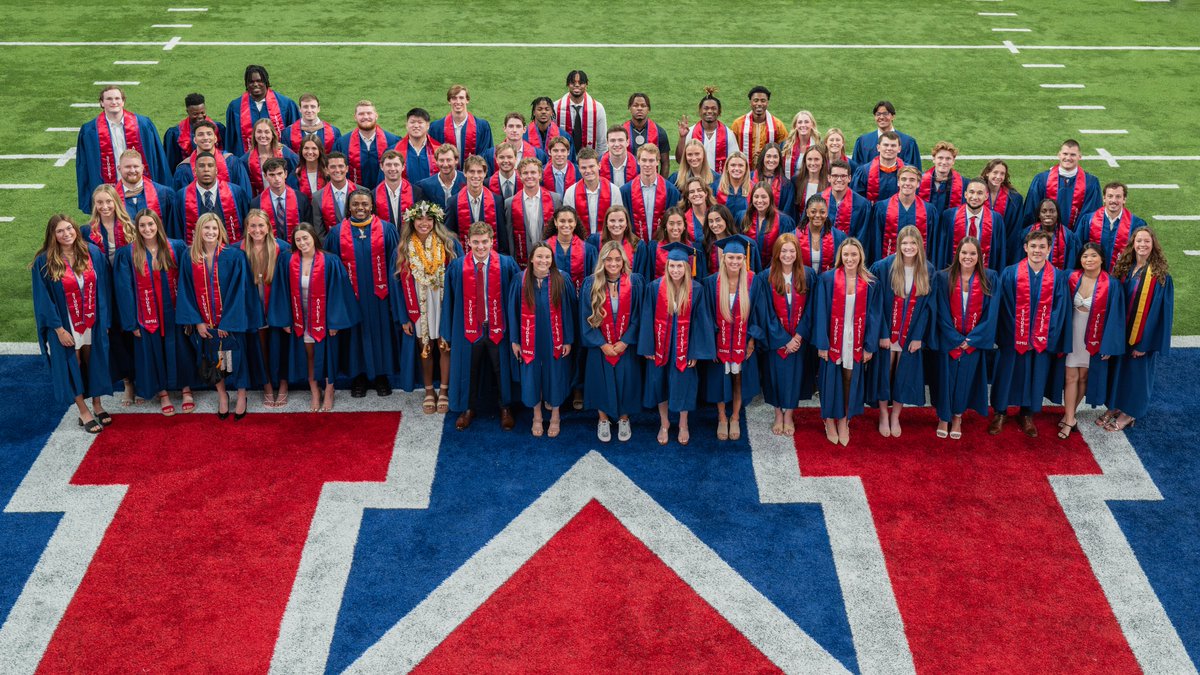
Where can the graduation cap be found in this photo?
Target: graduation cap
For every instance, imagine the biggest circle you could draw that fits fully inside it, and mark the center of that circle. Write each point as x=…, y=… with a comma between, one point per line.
x=738, y=243
x=679, y=251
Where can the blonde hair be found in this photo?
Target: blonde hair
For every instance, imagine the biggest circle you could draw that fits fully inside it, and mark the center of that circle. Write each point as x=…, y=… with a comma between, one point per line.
x=743, y=290
x=262, y=263
x=705, y=174
x=119, y=213
x=793, y=136
x=679, y=295
x=920, y=270
x=726, y=184
x=196, y=250
x=862, y=258
x=599, y=279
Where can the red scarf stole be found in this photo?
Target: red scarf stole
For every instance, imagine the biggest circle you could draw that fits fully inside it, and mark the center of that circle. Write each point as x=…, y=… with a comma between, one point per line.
x=662, y=328
x=1058, y=253
x=96, y=234
x=965, y=323
x=845, y=209
x=296, y=136
x=603, y=200
x=133, y=139
x=149, y=293
x=149, y=191
x=328, y=203
x=81, y=302
x=302, y=181
x=487, y=202
x=839, y=313
x=472, y=315
x=1076, y=195
x=404, y=146
x=613, y=327
x=575, y=255
x=534, y=137
x=955, y=187
x=806, y=255
x=356, y=149
x=721, y=143
x=697, y=225
x=185, y=143
x=211, y=313
x=520, y=245
x=902, y=313
x=1099, y=311
x=1000, y=203
x=566, y=117
x=529, y=323
x=892, y=222
x=731, y=335
x=1139, y=305
x=789, y=315
x=378, y=257
x=222, y=167
x=191, y=211
x=316, y=297
x=651, y=133
x=630, y=170
x=873, y=177
x=470, y=135
x=723, y=197
x=793, y=162
x=1039, y=340
x=383, y=201
x=570, y=177
x=776, y=182
x=638, y=202
x=1120, y=239
x=660, y=260
x=291, y=206
x=247, y=124
x=254, y=161
x=769, y=233
x=408, y=285
x=985, y=231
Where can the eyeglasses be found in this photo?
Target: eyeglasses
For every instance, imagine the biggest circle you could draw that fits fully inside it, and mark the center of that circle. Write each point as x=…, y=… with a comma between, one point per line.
x=839, y=176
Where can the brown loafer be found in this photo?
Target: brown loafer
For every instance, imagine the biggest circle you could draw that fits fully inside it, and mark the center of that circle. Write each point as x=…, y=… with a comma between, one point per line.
x=464, y=420
x=506, y=419
x=1027, y=426
x=996, y=424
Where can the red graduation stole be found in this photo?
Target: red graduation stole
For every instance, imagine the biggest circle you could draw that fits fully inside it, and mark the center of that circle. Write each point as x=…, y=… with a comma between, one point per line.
x=534, y=137
x=806, y=255
x=575, y=254
x=844, y=215
x=296, y=134
x=317, y=300
x=873, y=177
x=1000, y=203
x=81, y=302
x=404, y=146
x=776, y=182
x=302, y=180
x=328, y=203
x=272, y=111
x=185, y=136
x=378, y=256
x=149, y=293
x=1058, y=254
x=651, y=133
x=1076, y=195
x=570, y=177
x=789, y=315
x=902, y=314
x=955, y=188
x=383, y=202
x=662, y=328
x=529, y=324
x=769, y=233
x=222, y=167
x=639, y=205
x=149, y=191
x=613, y=327
x=1120, y=240
x=487, y=201
x=660, y=260
x=1099, y=311
x=356, y=148
x=697, y=225
x=254, y=161
x=408, y=285
x=469, y=135
x=985, y=231
x=133, y=139
x=606, y=170
x=191, y=211
x=472, y=315
x=1041, y=319
x=892, y=222
x=965, y=323
x=518, y=221
x=1139, y=305
x=603, y=200
x=291, y=216
x=566, y=117
x=731, y=335
x=793, y=161
x=97, y=235
x=839, y=313
x=209, y=300
x=722, y=144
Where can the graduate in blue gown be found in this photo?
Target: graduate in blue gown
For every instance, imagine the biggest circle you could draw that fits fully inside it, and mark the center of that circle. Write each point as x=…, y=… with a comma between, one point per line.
x=1112, y=226
x=266, y=146
x=258, y=101
x=229, y=167
x=1064, y=179
x=178, y=141
x=371, y=351
x=762, y=221
x=893, y=214
x=783, y=312
x=672, y=347
x=1004, y=199
x=541, y=313
x=732, y=378
x=310, y=124
x=897, y=377
x=73, y=318
x=849, y=212
x=215, y=296
x=974, y=219
x=364, y=146
x=616, y=227
x=146, y=283
x=720, y=223
x=816, y=237
x=576, y=260
x=769, y=169
x=866, y=146
x=268, y=352
x=610, y=313
x=110, y=229
x=224, y=199
x=1064, y=247
x=312, y=303
x=1149, y=313
x=441, y=187
x=672, y=227
x=846, y=326
x=96, y=158
x=138, y=192
x=963, y=332
x=1030, y=334
x=470, y=134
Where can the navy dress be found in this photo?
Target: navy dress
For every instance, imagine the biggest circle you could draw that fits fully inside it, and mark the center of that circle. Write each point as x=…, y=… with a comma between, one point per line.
x=666, y=383
x=789, y=378
x=962, y=381
x=548, y=377
x=615, y=390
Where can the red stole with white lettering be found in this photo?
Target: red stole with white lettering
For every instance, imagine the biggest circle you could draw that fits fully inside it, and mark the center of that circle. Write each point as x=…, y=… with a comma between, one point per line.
x=570, y=177
x=769, y=233
x=638, y=201
x=191, y=211
x=603, y=200
x=150, y=192
x=1099, y=311
x=731, y=335
x=806, y=255
x=613, y=327
x=892, y=223
x=964, y=324
x=955, y=187
x=873, y=177
x=317, y=300
x=520, y=245
x=487, y=202
x=247, y=124
x=1120, y=239
x=291, y=207
x=1076, y=196
x=529, y=323
x=985, y=231
x=473, y=316
x=1039, y=340
x=97, y=235
x=721, y=144
x=902, y=313
x=404, y=146
x=470, y=135
x=845, y=209
x=839, y=314
x=789, y=314
x=356, y=149
x=133, y=139
x=383, y=202
x=662, y=328
x=793, y=162
x=378, y=255
x=222, y=166
x=81, y=302
x=149, y=292
x=209, y=300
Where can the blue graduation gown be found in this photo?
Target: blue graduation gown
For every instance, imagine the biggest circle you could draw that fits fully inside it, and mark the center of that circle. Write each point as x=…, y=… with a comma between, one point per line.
x=1108, y=234
x=838, y=238
x=342, y=313
x=962, y=382
x=120, y=345
x=735, y=202
x=627, y=200
x=170, y=208
x=483, y=135
x=786, y=379
x=829, y=376
x=786, y=225
x=164, y=360
x=288, y=110
x=666, y=383
x=50, y=313
x=641, y=253
x=271, y=367
x=887, y=183
x=431, y=190
x=286, y=136
x=241, y=313
x=1069, y=258
x=241, y=203
x=372, y=174
x=877, y=229
x=171, y=144
x=410, y=375
x=939, y=193
x=460, y=349
x=419, y=165
x=673, y=179
x=1132, y=381
x=860, y=214
x=718, y=386
x=546, y=378
x=997, y=255
x=1112, y=345
x=88, y=159
x=614, y=390
x=452, y=212
x=562, y=260
x=1014, y=219
x=1066, y=190
x=373, y=346
x=907, y=386
x=489, y=156
x=866, y=148
x=292, y=159
x=184, y=175
x=1022, y=379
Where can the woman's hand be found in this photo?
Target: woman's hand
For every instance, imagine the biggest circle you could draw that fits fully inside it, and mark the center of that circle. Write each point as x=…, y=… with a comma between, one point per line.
x=202, y=329
x=137, y=332
x=566, y=349
x=823, y=354
x=64, y=337
x=516, y=349
x=332, y=332
x=885, y=344
x=914, y=346
x=407, y=328
x=222, y=333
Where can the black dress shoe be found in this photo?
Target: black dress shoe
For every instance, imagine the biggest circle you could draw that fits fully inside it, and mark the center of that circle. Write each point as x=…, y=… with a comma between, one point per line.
x=382, y=386
x=358, y=386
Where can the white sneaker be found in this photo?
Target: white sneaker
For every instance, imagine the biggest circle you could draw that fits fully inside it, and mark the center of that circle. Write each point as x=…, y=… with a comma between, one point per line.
x=623, y=432
x=604, y=431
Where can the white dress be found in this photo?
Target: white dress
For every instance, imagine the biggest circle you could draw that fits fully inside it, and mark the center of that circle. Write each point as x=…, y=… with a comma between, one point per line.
x=1079, y=356
x=83, y=339
x=847, y=360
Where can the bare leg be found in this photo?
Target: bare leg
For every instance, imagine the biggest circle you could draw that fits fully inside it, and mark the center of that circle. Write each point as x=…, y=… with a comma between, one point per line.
x=315, y=400
x=664, y=424
x=1072, y=393
x=684, y=434
x=735, y=427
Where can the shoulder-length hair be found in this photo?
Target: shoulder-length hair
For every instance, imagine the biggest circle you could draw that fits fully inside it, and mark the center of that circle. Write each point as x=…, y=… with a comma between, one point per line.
x=955, y=269
x=726, y=185
x=629, y=235
x=580, y=230
x=275, y=145
x=987, y=168
x=322, y=166
x=862, y=257
x=751, y=213
x=802, y=177
x=660, y=232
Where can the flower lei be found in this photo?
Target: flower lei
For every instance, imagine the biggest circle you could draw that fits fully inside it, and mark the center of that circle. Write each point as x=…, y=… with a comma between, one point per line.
x=428, y=266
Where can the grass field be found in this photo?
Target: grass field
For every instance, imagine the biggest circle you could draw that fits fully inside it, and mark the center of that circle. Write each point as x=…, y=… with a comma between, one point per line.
x=948, y=72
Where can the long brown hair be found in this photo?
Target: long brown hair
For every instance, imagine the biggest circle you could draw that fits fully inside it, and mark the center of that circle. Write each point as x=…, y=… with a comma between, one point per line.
x=987, y=168
x=600, y=278
x=801, y=180
x=553, y=277
x=629, y=235
x=408, y=231
x=302, y=168
x=275, y=144
x=262, y=263
x=920, y=270
x=660, y=232
x=55, y=266
x=1157, y=262
x=751, y=212
x=163, y=262
x=775, y=276
x=955, y=270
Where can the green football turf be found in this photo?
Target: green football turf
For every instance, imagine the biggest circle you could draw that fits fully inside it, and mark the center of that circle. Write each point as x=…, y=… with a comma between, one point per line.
x=983, y=100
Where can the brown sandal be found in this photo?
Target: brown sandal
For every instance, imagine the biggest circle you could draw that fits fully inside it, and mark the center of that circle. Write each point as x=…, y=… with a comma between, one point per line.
x=429, y=404
x=443, y=401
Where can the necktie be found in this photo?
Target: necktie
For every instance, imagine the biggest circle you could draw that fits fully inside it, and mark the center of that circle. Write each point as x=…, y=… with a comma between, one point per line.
x=507, y=189
x=577, y=127
x=971, y=227
x=480, y=291
x=208, y=201
x=339, y=200
x=559, y=180
x=280, y=215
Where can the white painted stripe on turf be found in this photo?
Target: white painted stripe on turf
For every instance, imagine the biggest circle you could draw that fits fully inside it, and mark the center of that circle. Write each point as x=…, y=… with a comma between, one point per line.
x=171, y=43
x=1104, y=132
x=128, y=83
x=1176, y=218
x=1012, y=30
x=187, y=9
x=135, y=63
x=1081, y=107
x=19, y=348
x=30, y=156
x=1062, y=86
x=64, y=129
x=1008, y=44
x=1153, y=186
x=1151, y=0
x=996, y=13
x=1107, y=157
x=6, y=219
x=22, y=186
x=1042, y=65
x=66, y=157
x=1186, y=252
x=1186, y=341
x=171, y=25
x=569, y=45
x=85, y=105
